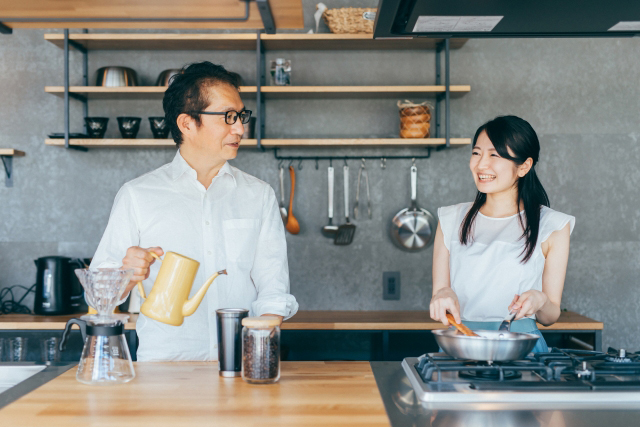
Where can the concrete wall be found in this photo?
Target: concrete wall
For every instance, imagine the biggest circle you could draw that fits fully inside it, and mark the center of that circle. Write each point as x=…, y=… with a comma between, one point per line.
x=580, y=95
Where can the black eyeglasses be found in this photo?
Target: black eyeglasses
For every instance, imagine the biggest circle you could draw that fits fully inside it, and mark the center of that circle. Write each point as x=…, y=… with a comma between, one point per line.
x=230, y=117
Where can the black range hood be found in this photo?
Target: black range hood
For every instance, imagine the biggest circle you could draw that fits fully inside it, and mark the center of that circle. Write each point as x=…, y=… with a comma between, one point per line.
x=507, y=18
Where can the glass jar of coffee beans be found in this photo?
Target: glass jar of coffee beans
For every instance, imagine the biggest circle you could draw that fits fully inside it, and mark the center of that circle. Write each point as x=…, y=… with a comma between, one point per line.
x=261, y=349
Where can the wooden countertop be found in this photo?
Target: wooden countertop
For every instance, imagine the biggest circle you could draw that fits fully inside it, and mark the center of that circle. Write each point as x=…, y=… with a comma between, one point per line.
x=319, y=320
x=191, y=393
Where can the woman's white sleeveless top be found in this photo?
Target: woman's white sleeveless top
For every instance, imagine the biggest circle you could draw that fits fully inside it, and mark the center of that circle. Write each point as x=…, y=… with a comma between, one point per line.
x=487, y=273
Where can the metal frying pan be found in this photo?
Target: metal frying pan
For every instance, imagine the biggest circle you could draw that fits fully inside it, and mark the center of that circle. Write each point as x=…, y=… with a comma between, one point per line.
x=489, y=346
x=413, y=228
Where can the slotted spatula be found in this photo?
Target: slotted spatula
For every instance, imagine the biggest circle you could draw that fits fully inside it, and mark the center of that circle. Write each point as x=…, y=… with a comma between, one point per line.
x=345, y=233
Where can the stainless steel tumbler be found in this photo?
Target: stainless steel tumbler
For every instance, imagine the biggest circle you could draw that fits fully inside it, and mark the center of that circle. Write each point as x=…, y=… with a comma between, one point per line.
x=229, y=322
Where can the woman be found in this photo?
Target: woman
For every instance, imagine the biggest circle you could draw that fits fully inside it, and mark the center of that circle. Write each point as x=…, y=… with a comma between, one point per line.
x=507, y=251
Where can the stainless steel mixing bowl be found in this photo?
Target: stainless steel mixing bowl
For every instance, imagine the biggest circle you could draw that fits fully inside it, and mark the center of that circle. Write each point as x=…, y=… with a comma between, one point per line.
x=116, y=77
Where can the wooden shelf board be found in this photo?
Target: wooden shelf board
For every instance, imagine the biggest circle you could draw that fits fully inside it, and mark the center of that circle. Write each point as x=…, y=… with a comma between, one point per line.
x=333, y=142
x=287, y=14
x=363, y=142
x=112, y=142
x=11, y=152
x=287, y=92
x=270, y=92
x=128, y=92
x=244, y=41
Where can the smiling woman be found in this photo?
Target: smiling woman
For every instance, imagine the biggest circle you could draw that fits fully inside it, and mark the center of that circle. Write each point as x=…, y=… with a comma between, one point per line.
x=507, y=251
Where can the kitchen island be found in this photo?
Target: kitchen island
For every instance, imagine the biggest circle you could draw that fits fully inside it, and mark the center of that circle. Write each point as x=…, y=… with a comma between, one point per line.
x=193, y=394
x=308, y=394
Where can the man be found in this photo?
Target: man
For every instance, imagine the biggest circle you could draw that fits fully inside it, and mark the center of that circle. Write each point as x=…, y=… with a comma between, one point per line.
x=201, y=207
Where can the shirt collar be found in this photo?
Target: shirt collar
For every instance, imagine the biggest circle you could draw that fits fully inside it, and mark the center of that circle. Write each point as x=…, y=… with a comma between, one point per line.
x=179, y=166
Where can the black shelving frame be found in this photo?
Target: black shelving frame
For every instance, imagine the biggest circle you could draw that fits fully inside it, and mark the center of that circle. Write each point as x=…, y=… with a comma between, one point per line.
x=261, y=76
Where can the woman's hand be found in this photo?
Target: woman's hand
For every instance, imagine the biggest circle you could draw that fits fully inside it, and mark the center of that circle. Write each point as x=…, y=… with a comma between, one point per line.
x=528, y=304
x=444, y=300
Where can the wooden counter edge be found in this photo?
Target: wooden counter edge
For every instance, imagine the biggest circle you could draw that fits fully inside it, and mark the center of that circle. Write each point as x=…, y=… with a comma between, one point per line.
x=53, y=323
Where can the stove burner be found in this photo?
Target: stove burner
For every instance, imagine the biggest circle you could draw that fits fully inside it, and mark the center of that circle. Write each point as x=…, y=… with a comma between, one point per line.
x=489, y=375
x=620, y=357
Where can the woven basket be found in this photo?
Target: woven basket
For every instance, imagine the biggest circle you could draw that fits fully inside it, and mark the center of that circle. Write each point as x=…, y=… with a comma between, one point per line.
x=414, y=119
x=348, y=20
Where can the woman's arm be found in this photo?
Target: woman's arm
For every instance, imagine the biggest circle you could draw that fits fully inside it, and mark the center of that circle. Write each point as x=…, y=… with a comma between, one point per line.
x=443, y=298
x=546, y=304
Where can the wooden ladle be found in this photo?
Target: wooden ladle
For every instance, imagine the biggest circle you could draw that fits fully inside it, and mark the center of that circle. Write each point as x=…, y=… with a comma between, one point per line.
x=460, y=327
x=292, y=225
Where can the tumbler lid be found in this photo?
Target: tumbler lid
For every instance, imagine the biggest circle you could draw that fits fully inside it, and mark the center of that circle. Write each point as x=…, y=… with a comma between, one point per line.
x=232, y=312
x=261, y=322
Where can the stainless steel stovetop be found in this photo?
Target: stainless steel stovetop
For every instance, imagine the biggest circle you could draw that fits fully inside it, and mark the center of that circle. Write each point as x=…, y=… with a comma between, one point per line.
x=584, y=379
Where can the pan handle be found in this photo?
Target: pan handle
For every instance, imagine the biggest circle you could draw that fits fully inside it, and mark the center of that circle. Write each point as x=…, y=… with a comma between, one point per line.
x=414, y=178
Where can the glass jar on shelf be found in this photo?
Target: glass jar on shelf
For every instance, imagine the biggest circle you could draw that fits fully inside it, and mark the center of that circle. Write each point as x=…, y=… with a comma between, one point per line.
x=261, y=349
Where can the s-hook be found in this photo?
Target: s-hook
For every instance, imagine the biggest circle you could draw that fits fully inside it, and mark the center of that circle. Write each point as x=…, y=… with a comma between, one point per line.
x=280, y=163
x=316, y=163
x=383, y=163
x=300, y=163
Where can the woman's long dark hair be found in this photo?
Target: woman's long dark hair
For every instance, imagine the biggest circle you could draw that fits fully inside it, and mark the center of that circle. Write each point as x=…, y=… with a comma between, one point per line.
x=518, y=135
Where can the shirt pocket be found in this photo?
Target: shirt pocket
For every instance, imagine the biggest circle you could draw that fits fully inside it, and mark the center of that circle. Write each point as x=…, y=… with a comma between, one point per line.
x=241, y=240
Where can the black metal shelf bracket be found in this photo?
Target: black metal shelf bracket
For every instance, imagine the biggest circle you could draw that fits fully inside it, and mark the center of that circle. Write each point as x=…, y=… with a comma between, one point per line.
x=446, y=96
x=261, y=80
x=4, y=29
x=267, y=16
x=67, y=95
x=7, y=162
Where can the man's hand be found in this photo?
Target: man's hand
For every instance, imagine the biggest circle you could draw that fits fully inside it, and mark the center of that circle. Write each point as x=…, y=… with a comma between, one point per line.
x=275, y=315
x=139, y=260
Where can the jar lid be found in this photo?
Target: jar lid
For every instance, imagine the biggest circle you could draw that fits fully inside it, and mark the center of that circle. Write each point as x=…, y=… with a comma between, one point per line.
x=261, y=322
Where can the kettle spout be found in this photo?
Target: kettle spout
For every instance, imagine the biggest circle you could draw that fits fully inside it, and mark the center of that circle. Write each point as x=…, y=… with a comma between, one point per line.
x=192, y=304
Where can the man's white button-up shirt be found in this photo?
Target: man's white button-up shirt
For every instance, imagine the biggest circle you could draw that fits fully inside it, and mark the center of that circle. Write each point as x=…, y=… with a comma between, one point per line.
x=235, y=225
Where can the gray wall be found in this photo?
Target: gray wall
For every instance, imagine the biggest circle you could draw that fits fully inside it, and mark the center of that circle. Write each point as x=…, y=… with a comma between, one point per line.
x=580, y=95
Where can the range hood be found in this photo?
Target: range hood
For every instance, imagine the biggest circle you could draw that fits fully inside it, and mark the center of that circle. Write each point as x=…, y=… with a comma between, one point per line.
x=507, y=18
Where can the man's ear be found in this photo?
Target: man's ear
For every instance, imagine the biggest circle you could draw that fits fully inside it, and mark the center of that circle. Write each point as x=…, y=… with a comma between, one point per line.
x=524, y=168
x=186, y=124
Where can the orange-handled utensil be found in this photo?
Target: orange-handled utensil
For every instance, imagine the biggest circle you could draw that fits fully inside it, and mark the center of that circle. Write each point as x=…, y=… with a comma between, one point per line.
x=460, y=327
x=292, y=225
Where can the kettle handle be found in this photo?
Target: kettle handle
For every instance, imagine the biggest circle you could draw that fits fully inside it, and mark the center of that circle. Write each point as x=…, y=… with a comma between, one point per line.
x=67, y=329
x=78, y=262
x=140, y=288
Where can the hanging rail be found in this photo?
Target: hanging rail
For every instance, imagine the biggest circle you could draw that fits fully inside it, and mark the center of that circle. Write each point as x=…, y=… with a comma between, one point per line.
x=331, y=158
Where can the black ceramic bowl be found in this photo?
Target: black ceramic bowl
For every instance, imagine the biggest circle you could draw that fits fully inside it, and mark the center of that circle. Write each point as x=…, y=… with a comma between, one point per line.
x=129, y=126
x=96, y=126
x=159, y=127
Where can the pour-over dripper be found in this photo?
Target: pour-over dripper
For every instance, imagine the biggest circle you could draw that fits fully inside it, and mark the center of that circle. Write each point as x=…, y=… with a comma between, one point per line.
x=103, y=288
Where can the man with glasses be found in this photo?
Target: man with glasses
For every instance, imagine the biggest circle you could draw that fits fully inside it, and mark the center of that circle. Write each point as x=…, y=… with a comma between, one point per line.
x=201, y=207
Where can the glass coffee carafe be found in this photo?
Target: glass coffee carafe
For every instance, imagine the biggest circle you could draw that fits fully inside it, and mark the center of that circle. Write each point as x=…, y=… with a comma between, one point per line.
x=105, y=356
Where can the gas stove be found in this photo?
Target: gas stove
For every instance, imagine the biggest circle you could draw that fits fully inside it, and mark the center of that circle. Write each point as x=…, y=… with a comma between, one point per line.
x=577, y=377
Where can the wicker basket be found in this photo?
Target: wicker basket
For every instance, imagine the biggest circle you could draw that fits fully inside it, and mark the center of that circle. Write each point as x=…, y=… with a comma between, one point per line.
x=414, y=119
x=348, y=20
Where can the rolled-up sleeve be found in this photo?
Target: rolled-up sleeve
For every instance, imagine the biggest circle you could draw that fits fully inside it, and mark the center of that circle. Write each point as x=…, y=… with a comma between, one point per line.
x=270, y=272
x=121, y=233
